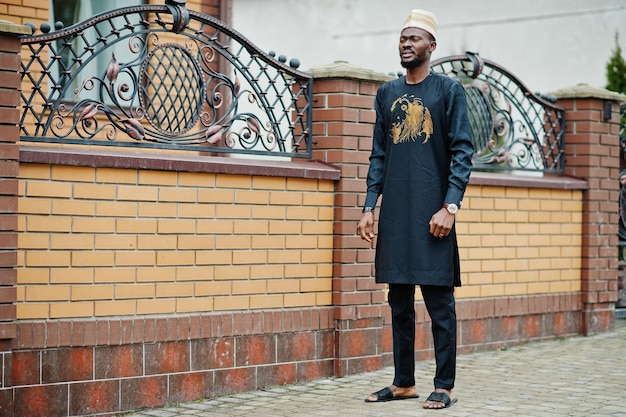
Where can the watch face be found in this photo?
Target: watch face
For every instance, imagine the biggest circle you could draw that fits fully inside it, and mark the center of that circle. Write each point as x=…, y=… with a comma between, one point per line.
x=452, y=208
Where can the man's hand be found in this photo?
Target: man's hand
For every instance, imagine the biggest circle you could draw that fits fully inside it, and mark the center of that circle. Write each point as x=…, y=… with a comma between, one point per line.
x=365, y=228
x=441, y=223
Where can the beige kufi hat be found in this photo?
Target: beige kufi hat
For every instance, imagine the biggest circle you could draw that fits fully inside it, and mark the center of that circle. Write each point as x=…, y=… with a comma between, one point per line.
x=422, y=19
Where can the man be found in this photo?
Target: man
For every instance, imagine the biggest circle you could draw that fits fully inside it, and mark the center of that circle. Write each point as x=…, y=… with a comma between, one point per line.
x=420, y=162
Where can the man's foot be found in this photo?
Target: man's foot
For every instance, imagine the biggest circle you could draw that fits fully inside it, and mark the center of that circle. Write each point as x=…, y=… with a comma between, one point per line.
x=392, y=393
x=440, y=398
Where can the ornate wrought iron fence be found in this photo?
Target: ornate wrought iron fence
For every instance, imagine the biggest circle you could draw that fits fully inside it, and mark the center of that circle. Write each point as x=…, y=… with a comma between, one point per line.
x=163, y=76
x=512, y=128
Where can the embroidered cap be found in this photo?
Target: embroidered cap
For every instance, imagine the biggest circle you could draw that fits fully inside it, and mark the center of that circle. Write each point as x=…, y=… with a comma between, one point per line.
x=422, y=19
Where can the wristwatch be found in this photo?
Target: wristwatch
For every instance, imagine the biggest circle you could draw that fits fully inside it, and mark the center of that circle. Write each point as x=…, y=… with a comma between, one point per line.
x=451, y=207
x=368, y=209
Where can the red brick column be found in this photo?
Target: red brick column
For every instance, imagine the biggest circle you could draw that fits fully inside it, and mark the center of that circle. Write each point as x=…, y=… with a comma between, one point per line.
x=592, y=152
x=10, y=47
x=342, y=129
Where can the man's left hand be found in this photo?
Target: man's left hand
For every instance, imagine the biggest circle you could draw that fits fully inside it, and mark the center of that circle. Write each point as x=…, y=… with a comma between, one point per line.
x=441, y=223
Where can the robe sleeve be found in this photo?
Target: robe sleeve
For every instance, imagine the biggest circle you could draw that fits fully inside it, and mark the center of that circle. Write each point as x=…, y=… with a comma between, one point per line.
x=460, y=139
x=377, y=157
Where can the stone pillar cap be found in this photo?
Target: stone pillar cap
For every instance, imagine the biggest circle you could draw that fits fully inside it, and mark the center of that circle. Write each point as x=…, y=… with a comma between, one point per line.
x=583, y=90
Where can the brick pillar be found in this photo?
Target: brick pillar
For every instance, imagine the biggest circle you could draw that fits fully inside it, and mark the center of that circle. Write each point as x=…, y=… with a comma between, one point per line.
x=592, y=152
x=342, y=134
x=10, y=47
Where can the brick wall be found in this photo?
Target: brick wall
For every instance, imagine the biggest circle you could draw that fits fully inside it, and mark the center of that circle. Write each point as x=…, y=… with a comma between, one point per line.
x=97, y=242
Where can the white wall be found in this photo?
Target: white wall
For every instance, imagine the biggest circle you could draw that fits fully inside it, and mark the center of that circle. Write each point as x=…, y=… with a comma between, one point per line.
x=548, y=44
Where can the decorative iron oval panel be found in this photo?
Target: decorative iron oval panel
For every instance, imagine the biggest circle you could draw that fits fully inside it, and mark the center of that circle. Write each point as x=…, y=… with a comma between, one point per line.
x=481, y=118
x=173, y=89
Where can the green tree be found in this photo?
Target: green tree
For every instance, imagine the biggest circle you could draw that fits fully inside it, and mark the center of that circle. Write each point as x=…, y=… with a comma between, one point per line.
x=616, y=70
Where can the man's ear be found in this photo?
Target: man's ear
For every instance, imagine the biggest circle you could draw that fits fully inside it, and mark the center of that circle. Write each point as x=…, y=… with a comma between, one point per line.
x=433, y=46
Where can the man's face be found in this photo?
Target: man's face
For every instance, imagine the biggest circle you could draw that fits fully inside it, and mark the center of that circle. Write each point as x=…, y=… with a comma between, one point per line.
x=416, y=46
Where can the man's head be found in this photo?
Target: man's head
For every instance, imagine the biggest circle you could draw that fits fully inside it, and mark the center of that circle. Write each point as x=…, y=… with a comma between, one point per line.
x=418, y=38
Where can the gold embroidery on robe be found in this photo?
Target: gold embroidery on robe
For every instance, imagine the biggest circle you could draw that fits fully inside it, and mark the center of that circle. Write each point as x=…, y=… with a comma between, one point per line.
x=413, y=121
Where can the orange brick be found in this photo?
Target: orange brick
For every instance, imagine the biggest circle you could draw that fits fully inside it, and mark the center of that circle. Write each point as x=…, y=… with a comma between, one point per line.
x=135, y=258
x=173, y=258
x=241, y=302
x=278, y=286
x=71, y=241
x=268, y=242
x=71, y=275
x=215, y=227
x=216, y=196
x=174, y=290
x=268, y=183
x=232, y=242
x=131, y=193
x=35, y=171
x=47, y=224
x=33, y=241
x=196, y=211
x=194, y=273
x=249, y=287
x=176, y=226
x=34, y=205
x=316, y=256
x=119, y=242
x=286, y=227
x=47, y=292
x=48, y=189
x=134, y=291
x=74, y=174
x=251, y=227
x=222, y=257
x=160, y=306
x=263, y=301
x=192, y=179
x=191, y=305
x=94, y=191
x=32, y=311
x=283, y=256
x=196, y=242
x=212, y=288
x=299, y=300
x=116, y=209
x=270, y=212
x=47, y=259
x=232, y=212
x=266, y=271
x=158, y=210
x=157, y=177
x=117, y=176
x=285, y=198
x=92, y=292
x=92, y=258
x=157, y=242
x=33, y=276
x=302, y=213
x=232, y=272
x=102, y=275
x=233, y=181
x=92, y=225
x=177, y=194
x=73, y=309
x=148, y=226
x=114, y=308
x=249, y=257
x=161, y=274
x=251, y=197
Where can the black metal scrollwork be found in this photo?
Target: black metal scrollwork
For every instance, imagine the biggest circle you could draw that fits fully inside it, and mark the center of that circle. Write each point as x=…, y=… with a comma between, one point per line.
x=165, y=77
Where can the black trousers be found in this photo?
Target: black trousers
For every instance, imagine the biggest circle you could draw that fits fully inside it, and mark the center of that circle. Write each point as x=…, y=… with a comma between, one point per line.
x=440, y=305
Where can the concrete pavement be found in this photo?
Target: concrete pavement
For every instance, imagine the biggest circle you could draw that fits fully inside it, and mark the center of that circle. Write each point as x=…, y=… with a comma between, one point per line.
x=580, y=376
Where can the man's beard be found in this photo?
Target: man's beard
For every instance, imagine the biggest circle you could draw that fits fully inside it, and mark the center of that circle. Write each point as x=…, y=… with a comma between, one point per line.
x=414, y=63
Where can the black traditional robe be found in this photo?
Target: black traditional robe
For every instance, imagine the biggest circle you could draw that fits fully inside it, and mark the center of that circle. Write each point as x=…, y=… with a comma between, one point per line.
x=421, y=158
